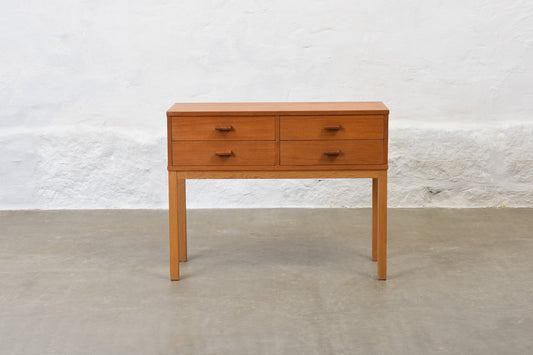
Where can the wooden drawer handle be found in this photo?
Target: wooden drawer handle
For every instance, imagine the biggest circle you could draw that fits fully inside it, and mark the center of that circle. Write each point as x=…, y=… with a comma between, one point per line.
x=224, y=128
x=332, y=152
x=332, y=127
x=224, y=153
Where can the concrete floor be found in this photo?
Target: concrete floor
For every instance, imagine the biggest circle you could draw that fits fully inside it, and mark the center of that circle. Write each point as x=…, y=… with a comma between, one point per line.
x=286, y=281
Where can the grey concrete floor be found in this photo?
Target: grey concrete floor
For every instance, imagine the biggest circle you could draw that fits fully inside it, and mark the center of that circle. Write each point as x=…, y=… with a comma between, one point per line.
x=286, y=281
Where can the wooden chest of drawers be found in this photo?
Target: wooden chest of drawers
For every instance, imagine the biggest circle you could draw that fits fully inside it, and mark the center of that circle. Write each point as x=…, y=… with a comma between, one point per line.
x=276, y=140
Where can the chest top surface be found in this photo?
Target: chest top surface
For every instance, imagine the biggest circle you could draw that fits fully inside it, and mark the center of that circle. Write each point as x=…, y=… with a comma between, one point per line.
x=277, y=108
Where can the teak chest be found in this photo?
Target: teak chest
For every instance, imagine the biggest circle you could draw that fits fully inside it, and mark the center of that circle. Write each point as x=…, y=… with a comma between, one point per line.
x=297, y=140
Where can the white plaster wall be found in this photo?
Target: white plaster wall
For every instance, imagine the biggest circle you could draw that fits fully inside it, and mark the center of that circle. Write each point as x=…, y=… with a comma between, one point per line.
x=84, y=86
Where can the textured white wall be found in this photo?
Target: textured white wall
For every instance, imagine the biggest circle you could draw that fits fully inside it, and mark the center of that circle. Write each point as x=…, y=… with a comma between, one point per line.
x=84, y=86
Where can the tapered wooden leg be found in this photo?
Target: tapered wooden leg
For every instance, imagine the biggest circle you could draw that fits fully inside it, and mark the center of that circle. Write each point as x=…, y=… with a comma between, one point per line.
x=173, y=225
x=374, y=219
x=382, y=226
x=182, y=221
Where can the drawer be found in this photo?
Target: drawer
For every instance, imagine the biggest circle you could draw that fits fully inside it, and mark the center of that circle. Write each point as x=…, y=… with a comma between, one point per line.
x=223, y=153
x=332, y=127
x=223, y=128
x=331, y=152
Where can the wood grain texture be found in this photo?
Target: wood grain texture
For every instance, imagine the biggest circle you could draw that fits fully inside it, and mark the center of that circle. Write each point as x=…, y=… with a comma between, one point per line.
x=386, y=138
x=277, y=141
x=240, y=128
x=202, y=153
x=282, y=174
x=382, y=226
x=276, y=108
x=315, y=152
x=332, y=127
x=182, y=221
x=374, y=219
x=169, y=140
x=173, y=225
x=276, y=168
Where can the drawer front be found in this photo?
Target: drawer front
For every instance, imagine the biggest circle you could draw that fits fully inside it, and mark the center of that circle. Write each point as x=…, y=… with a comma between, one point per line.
x=331, y=152
x=332, y=127
x=223, y=128
x=223, y=153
